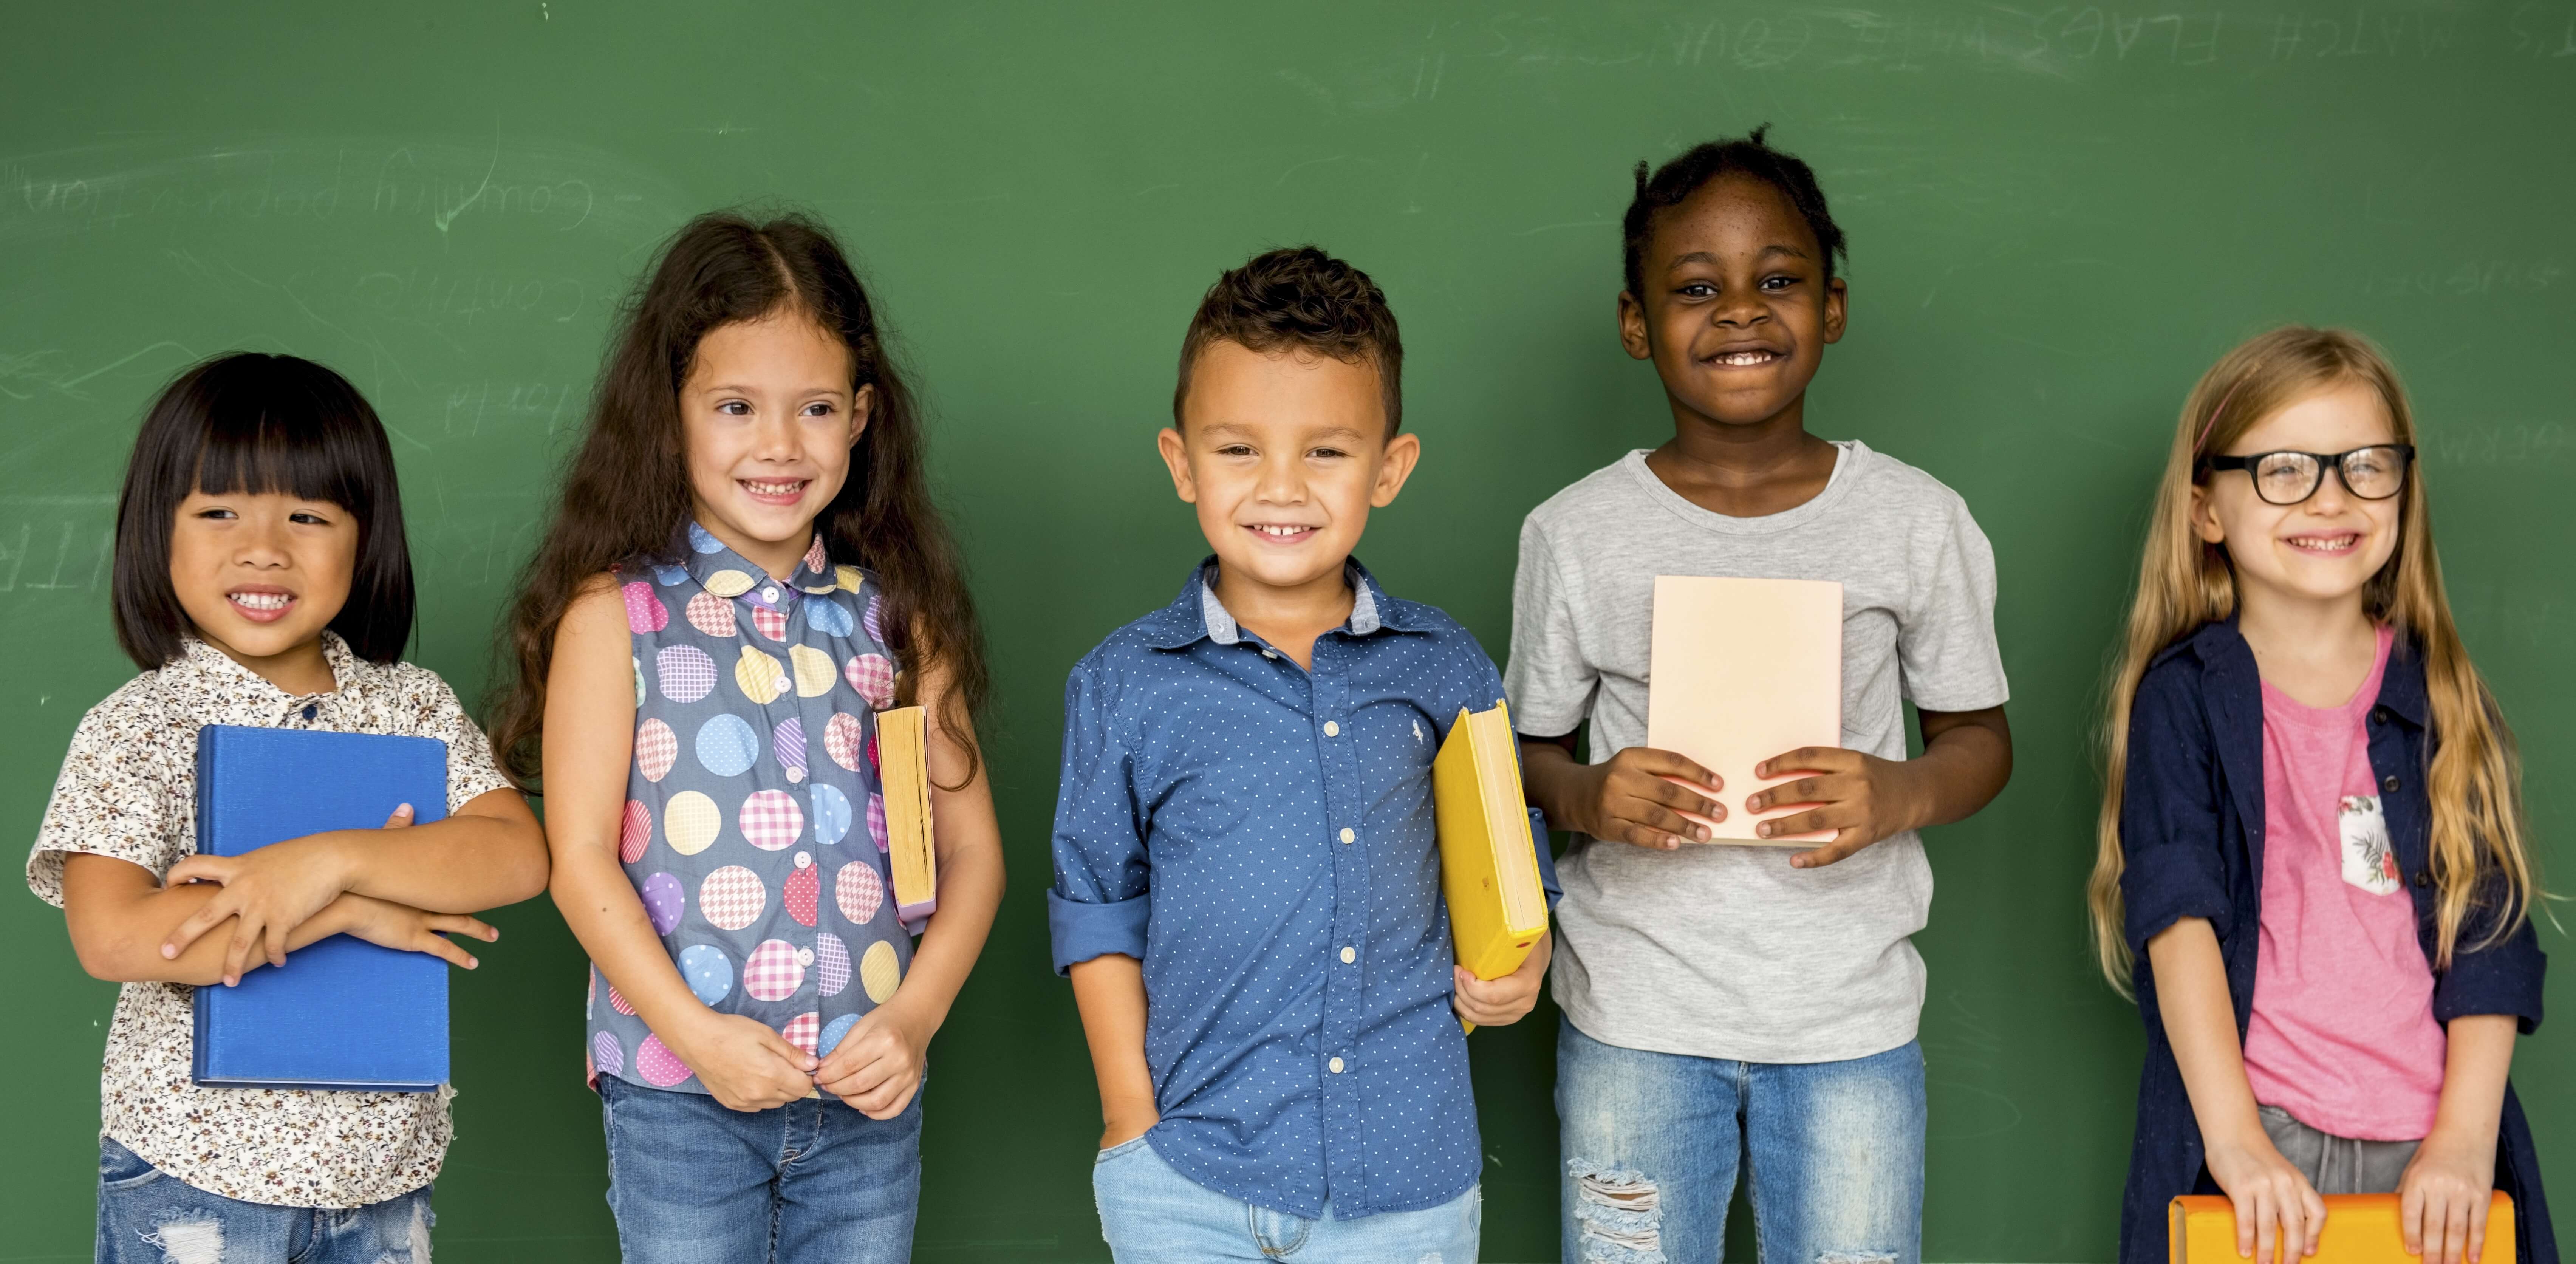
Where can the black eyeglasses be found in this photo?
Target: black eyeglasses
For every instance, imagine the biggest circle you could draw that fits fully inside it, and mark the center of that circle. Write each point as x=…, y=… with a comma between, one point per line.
x=2286, y=478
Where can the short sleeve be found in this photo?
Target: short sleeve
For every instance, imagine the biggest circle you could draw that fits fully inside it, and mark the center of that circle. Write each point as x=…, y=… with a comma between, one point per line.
x=1102, y=897
x=2169, y=826
x=1549, y=682
x=471, y=774
x=1946, y=645
x=116, y=796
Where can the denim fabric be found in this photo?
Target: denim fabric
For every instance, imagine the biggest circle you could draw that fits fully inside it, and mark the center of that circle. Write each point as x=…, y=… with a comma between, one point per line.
x=1261, y=837
x=1653, y=1143
x=691, y=1182
x=2191, y=827
x=1151, y=1214
x=754, y=829
x=147, y=1216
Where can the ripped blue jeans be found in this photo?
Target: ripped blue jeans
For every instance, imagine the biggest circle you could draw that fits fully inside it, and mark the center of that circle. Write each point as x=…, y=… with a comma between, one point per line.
x=1833, y=1152
x=147, y=1216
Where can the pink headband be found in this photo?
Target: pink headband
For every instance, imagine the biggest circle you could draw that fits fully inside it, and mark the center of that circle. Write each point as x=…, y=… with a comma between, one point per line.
x=2214, y=415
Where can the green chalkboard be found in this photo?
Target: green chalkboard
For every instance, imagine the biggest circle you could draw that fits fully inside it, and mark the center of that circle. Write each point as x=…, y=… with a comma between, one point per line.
x=2059, y=215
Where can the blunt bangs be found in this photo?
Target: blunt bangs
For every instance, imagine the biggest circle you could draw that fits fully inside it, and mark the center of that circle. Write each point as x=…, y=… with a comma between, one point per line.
x=251, y=424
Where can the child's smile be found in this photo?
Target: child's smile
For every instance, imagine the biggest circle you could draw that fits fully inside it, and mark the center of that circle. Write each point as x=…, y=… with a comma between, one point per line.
x=783, y=493
x=2326, y=547
x=1737, y=308
x=261, y=603
x=261, y=574
x=769, y=419
x=1283, y=454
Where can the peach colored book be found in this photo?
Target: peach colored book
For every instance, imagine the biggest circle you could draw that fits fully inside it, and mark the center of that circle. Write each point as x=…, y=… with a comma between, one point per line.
x=1742, y=670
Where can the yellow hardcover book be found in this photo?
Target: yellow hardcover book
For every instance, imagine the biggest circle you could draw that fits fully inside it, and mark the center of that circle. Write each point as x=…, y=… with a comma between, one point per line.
x=1488, y=862
x=2360, y=1229
x=903, y=777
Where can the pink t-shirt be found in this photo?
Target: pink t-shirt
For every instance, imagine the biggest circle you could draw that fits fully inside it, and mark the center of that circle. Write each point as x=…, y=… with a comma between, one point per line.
x=2343, y=1035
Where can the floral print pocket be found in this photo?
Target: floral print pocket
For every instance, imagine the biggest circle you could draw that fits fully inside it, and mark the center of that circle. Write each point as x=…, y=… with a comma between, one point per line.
x=2369, y=862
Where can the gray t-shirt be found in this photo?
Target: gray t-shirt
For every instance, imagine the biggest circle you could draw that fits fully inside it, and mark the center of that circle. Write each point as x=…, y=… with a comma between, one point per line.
x=1724, y=951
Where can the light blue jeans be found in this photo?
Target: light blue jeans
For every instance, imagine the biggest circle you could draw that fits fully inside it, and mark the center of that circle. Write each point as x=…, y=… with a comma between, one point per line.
x=147, y=1216
x=691, y=1182
x=1653, y=1143
x=1151, y=1214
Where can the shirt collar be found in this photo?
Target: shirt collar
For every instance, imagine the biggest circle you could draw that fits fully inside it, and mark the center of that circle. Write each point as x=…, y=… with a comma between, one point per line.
x=721, y=571
x=221, y=669
x=2222, y=647
x=1197, y=613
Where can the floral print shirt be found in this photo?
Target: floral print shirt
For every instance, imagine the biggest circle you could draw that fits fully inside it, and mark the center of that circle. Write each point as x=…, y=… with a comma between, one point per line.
x=754, y=831
x=128, y=790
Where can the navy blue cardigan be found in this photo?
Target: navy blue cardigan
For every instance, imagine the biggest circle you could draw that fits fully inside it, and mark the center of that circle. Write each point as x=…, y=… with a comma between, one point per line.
x=2191, y=823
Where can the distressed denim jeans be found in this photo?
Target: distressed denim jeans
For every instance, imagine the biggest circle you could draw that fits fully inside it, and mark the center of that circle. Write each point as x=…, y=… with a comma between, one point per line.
x=1151, y=1214
x=1653, y=1143
x=147, y=1216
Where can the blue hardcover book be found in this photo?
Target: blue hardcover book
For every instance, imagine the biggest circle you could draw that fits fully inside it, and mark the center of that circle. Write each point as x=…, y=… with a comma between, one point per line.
x=342, y=1013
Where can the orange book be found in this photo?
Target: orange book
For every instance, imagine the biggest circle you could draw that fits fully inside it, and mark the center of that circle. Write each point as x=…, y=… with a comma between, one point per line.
x=1742, y=670
x=2360, y=1229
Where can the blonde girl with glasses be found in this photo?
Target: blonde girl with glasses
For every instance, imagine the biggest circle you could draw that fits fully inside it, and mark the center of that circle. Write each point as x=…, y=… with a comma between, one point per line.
x=2313, y=867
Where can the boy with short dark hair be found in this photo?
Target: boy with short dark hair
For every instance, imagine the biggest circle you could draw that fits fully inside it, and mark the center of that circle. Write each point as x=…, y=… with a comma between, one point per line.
x=1247, y=891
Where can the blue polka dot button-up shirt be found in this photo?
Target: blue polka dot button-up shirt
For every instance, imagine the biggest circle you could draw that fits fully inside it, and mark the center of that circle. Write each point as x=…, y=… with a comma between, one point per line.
x=1261, y=838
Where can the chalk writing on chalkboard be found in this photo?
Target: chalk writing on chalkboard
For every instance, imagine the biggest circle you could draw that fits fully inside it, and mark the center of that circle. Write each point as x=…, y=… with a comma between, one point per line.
x=126, y=185
x=56, y=543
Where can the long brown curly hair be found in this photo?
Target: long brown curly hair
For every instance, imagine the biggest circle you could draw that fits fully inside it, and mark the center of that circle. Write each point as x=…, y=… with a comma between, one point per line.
x=626, y=489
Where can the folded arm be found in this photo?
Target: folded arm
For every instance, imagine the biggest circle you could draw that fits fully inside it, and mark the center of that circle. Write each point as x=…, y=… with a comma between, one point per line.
x=120, y=917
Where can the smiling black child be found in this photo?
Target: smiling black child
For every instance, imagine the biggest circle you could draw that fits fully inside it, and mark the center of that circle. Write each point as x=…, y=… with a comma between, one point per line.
x=1732, y=1005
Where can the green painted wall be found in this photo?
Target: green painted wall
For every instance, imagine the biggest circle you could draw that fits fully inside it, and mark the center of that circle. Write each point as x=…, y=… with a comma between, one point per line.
x=2059, y=216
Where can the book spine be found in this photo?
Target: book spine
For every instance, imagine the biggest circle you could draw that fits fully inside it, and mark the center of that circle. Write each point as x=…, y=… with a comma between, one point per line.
x=201, y=999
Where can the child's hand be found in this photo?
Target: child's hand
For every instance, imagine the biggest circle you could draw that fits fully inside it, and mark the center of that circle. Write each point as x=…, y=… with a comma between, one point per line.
x=1862, y=798
x=2443, y=1198
x=1504, y=1001
x=745, y=1065
x=269, y=892
x=407, y=929
x=2273, y=1201
x=877, y=1067
x=1634, y=799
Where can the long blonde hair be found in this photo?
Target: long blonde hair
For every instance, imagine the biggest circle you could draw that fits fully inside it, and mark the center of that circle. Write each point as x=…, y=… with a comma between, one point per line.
x=2474, y=780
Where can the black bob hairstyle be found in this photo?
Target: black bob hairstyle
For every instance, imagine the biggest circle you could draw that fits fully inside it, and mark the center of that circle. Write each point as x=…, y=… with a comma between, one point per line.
x=252, y=423
x=1752, y=155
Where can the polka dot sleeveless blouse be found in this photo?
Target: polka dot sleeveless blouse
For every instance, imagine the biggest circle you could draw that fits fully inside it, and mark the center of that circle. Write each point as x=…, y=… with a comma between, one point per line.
x=754, y=830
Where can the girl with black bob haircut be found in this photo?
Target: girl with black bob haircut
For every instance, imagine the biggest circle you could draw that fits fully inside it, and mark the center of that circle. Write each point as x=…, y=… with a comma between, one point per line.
x=261, y=423
x=262, y=580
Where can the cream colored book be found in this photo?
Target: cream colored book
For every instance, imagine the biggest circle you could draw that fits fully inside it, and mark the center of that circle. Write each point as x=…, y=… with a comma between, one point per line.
x=1743, y=670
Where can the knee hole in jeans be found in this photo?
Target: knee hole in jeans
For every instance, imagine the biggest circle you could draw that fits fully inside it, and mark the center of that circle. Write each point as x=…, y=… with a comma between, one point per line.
x=1620, y=1212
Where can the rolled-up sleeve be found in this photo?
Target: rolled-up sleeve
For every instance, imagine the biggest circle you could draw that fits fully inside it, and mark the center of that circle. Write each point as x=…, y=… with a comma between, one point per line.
x=2490, y=974
x=1103, y=894
x=2169, y=824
